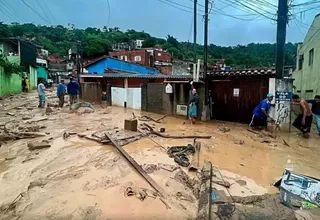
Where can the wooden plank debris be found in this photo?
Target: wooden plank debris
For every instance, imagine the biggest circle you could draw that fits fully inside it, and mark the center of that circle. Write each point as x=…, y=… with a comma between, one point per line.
x=152, y=131
x=204, y=208
x=136, y=166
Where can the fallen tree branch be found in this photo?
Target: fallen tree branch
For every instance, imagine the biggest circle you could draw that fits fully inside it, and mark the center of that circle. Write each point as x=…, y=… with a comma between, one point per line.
x=152, y=131
x=252, y=131
x=29, y=134
x=151, y=119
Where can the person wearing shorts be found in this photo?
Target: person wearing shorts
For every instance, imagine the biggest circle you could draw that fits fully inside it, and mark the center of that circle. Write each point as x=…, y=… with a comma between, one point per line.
x=41, y=93
x=260, y=113
x=304, y=121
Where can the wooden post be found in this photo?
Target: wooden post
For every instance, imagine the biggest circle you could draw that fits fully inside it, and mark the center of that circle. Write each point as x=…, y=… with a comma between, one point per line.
x=204, y=208
x=137, y=166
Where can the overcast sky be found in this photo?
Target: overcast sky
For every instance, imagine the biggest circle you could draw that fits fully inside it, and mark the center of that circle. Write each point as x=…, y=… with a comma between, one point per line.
x=160, y=19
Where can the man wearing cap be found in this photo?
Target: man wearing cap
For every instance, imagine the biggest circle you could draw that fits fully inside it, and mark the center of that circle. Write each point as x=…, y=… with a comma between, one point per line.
x=61, y=91
x=260, y=113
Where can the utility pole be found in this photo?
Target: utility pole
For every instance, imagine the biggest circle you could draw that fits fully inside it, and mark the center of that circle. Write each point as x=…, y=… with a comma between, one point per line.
x=282, y=21
x=205, y=62
x=195, y=31
x=283, y=86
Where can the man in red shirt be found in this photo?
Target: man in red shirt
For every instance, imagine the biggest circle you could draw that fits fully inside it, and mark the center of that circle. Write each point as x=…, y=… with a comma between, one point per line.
x=304, y=121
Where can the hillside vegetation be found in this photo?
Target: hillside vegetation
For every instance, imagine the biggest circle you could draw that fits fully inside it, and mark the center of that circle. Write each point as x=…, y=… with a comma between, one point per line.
x=97, y=42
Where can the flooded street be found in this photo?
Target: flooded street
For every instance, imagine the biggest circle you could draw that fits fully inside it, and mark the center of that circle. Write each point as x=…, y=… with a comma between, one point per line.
x=77, y=178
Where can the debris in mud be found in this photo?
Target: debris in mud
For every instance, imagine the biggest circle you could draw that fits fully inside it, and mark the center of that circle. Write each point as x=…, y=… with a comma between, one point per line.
x=183, y=178
x=265, y=207
x=147, y=118
x=28, y=158
x=265, y=141
x=78, y=105
x=84, y=110
x=165, y=203
x=241, y=182
x=152, y=131
x=10, y=158
x=222, y=183
x=90, y=213
x=67, y=134
x=224, y=129
x=10, y=114
x=286, y=143
x=149, y=168
x=140, y=193
x=131, y=124
x=184, y=196
x=49, y=110
x=38, y=145
x=27, y=117
x=181, y=153
x=290, y=192
x=238, y=142
x=136, y=165
x=167, y=167
x=37, y=183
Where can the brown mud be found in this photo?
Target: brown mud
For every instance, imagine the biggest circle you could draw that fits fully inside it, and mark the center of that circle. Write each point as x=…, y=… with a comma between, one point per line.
x=81, y=179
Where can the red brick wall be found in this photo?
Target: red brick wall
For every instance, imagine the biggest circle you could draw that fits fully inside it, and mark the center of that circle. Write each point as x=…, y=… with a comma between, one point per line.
x=166, y=70
x=145, y=56
x=162, y=56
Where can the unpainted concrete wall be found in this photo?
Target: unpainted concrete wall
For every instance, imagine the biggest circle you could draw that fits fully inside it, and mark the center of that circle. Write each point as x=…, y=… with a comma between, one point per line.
x=91, y=92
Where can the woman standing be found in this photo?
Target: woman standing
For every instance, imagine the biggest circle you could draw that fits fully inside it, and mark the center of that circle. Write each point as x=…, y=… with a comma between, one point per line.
x=193, y=106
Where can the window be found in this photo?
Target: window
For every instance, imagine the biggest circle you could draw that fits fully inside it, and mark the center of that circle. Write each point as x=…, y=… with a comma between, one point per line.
x=137, y=58
x=311, y=54
x=301, y=58
x=125, y=58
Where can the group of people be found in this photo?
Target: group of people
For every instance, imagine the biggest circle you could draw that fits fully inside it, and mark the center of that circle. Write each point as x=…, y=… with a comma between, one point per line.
x=303, y=122
x=25, y=84
x=73, y=89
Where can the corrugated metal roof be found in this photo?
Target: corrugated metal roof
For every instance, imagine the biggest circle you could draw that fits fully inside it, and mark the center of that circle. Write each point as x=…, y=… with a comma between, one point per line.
x=249, y=72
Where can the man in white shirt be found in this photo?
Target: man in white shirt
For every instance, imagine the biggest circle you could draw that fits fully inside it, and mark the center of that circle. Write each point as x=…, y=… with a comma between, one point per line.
x=41, y=93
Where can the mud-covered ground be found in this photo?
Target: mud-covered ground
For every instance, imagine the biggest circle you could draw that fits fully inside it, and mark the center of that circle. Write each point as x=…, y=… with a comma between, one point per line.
x=78, y=178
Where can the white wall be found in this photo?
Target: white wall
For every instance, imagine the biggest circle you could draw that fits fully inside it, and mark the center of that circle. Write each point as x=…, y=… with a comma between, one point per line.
x=130, y=95
x=281, y=110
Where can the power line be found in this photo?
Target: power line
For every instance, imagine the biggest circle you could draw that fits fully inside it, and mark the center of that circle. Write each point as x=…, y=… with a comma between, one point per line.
x=306, y=3
x=44, y=13
x=48, y=9
x=24, y=2
x=11, y=11
x=185, y=9
x=109, y=12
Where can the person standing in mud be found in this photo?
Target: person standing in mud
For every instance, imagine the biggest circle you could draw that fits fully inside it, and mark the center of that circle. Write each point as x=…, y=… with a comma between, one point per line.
x=193, y=106
x=27, y=84
x=303, y=121
x=41, y=93
x=61, y=91
x=260, y=114
x=23, y=83
x=73, y=91
x=316, y=110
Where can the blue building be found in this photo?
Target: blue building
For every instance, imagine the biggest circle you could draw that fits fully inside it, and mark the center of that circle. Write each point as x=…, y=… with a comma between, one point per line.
x=107, y=64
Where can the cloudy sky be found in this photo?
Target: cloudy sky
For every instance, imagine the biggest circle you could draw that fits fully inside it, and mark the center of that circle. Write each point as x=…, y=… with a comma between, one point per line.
x=231, y=23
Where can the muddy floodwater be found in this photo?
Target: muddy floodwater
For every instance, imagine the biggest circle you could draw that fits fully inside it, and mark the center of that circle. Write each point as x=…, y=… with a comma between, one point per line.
x=77, y=178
